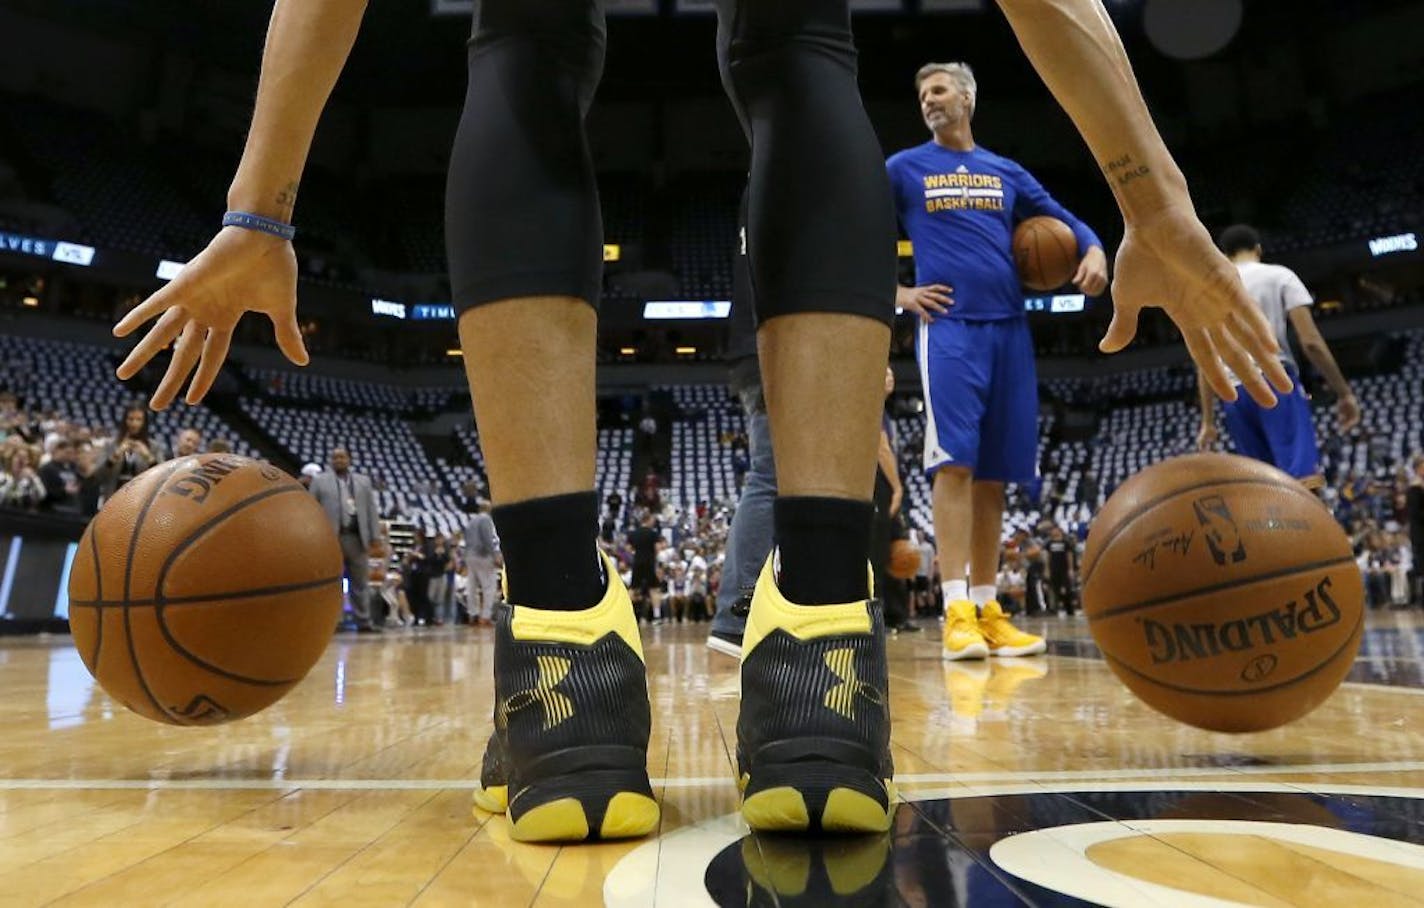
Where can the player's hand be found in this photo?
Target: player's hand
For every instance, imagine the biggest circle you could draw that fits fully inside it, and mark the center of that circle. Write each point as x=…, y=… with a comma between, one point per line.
x=240, y=271
x=1168, y=260
x=1206, y=438
x=926, y=302
x=1348, y=409
x=896, y=498
x=1092, y=274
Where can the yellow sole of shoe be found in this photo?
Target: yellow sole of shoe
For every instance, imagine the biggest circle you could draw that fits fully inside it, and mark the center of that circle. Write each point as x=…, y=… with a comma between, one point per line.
x=494, y=799
x=852, y=811
x=557, y=821
x=776, y=810
x=629, y=815
x=847, y=811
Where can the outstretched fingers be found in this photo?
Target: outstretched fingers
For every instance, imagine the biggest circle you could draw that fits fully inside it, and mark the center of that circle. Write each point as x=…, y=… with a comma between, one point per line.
x=1203, y=353
x=289, y=338
x=185, y=357
x=1123, y=327
x=164, y=298
x=214, y=353
x=158, y=337
x=1247, y=370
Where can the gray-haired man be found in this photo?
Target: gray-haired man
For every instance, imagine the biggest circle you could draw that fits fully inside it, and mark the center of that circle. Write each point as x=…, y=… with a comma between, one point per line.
x=350, y=505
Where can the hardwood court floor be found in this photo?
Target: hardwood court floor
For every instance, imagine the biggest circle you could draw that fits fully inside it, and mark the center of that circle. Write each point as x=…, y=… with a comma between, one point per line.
x=1037, y=781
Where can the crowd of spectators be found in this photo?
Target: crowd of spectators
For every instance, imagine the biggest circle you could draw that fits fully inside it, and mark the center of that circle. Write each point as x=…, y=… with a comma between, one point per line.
x=670, y=554
x=55, y=465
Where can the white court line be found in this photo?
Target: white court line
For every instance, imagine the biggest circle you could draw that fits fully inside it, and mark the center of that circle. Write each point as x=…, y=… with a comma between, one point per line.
x=1163, y=777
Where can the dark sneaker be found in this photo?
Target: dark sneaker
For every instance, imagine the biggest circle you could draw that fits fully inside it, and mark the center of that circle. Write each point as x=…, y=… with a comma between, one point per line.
x=568, y=759
x=725, y=643
x=813, y=737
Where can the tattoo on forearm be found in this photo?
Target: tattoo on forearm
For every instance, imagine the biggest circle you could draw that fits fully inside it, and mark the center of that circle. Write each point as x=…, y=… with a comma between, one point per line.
x=1124, y=170
x=287, y=197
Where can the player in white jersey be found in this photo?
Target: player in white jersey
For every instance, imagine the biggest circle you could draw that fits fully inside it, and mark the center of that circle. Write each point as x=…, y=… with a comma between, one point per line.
x=1283, y=436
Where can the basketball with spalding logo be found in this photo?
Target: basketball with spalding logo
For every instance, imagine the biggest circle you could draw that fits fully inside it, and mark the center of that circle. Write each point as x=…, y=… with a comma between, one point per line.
x=1223, y=593
x=205, y=589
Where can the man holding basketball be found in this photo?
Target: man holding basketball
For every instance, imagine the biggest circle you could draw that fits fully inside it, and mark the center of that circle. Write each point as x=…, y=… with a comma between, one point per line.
x=568, y=759
x=959, y=203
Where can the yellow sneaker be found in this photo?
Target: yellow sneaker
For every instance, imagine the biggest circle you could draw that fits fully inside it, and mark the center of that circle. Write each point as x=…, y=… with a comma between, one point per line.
x=1003, y=638
x=963, y=637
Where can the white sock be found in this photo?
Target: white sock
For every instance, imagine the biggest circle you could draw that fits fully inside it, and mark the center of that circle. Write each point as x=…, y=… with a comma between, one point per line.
x=982, y=594
x=955, y=590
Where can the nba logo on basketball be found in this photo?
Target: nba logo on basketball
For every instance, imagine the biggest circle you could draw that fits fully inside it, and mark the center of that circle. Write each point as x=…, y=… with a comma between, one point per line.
x=1222, y=536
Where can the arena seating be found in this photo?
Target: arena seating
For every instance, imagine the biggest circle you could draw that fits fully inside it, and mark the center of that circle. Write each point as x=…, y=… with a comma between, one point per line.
x=701, y=463
x=307, y=414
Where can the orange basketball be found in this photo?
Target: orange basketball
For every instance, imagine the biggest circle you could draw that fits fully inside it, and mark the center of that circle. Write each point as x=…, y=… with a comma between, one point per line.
x=1223, y=593
x=1046, y=252
x=205, y=589
x=904, y=559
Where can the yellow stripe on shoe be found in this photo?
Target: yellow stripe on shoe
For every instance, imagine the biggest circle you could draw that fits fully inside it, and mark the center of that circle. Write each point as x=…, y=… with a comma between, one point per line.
x=772, y=611
x=613, y=613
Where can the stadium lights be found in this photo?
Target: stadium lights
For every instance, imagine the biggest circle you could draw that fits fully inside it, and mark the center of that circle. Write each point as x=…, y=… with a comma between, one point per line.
x=686, y=351
x=454, y=351
x=31, y=301
x=627, y=351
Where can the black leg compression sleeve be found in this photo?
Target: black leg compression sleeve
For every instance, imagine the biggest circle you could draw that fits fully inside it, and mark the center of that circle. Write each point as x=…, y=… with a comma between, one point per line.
x=521, y=204
x=821, y=221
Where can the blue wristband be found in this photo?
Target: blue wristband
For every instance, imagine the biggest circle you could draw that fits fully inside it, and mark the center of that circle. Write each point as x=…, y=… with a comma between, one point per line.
x=248, y=221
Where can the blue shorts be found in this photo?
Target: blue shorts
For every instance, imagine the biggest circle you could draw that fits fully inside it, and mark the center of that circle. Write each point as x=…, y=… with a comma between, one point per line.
x=1283, y=436
x=981, y=397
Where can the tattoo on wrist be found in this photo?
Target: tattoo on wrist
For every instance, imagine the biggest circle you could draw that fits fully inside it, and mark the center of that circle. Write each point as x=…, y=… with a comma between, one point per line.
x=287, y=198
x=1124, y=170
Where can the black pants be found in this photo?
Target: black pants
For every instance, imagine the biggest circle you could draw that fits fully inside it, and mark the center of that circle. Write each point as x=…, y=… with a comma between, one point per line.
x=522, y=212
x=418, y=593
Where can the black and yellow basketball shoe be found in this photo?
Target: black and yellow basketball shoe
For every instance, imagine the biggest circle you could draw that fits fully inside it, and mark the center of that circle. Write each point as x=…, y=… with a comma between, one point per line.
x=569, y=756
x=813, y=737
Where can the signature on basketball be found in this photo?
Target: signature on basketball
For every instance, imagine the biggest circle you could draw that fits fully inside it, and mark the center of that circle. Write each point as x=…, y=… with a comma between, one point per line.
x=1166, y=541
x=1184, y=642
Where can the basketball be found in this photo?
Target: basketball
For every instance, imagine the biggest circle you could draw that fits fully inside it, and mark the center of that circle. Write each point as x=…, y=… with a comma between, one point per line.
x=1222, y=593
x=904, y=559
x=1046, y=253
x=205, y=589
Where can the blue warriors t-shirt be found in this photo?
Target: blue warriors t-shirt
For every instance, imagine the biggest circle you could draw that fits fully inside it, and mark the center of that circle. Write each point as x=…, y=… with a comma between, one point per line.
x=959, y=209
